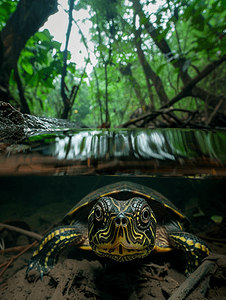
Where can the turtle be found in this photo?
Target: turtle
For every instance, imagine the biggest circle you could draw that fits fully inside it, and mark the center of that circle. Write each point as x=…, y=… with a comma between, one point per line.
x=122, y=221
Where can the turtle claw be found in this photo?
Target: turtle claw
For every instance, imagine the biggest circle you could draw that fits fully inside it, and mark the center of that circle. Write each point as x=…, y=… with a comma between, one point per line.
x=187, y=272
x=41, y=275
x=34, y=264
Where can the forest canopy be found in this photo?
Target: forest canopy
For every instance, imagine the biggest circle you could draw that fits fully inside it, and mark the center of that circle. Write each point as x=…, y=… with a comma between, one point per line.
x=141, y=57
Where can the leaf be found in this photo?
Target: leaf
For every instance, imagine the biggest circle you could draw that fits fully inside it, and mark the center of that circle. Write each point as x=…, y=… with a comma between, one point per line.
x=46, y=71
x=42, y=47
x=28, y=68
x=160, y=68
x=28, y=54
x=85, y=75
x=101, y=48
x=222, y=46
x=48, y=83
x=44, y=35
x=143, y=20
x=187, y=13
x=56, y=45
x=33, y=81
x=68, y=55
x=176, y=70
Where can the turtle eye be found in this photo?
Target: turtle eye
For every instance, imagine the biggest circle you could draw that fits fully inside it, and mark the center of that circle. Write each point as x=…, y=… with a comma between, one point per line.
x=98, y=213
x=145, y=215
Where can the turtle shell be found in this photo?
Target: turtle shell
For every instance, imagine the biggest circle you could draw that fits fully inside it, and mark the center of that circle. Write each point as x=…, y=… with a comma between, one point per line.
x=165, y=211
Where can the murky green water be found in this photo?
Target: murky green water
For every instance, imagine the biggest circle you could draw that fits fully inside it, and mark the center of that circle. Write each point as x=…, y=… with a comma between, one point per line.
x=40, y=201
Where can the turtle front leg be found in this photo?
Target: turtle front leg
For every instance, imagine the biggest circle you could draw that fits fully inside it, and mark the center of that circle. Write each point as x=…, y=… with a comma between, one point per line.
x=195, y=249
x=46, y=254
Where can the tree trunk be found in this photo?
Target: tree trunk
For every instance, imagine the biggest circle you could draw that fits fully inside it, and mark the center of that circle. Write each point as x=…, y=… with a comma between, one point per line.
x=149, y=73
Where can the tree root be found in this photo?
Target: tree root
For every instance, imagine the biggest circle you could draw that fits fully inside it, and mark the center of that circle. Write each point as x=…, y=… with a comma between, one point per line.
x=13, y=249
x=22, y=231
x=11, y=260
x=24, y=248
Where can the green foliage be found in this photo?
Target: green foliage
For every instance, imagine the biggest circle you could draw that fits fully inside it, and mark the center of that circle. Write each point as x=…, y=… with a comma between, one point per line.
x=41, y=60
x=6, y=10
x=40, y=66
x=208, y=30
x=194, y=31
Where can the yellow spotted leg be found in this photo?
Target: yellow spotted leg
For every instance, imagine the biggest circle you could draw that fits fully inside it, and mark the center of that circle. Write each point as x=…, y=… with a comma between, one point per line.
x=195, y=249
x=45, y=255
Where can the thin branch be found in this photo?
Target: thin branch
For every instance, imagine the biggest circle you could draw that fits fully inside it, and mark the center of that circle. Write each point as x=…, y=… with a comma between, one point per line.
x=22, y=231
x=105, y=62
x=13, y=249
x=25, y=107
x=106, y=90
x=98, y=95
x=76, y=87
x=215, y=111
x=64, y=70
x=178, y=39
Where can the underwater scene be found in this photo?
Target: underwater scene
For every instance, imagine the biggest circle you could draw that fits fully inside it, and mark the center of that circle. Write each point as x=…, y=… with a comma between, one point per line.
x=40, y=204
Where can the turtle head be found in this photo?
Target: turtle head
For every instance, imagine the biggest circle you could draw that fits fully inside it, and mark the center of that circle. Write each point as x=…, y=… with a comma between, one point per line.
x=122, y=230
